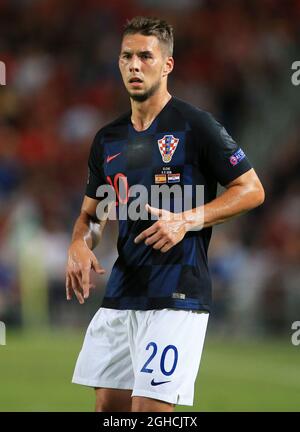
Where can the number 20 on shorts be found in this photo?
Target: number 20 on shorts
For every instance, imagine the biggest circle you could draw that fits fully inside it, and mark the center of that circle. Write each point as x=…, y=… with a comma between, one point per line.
x=168, y=348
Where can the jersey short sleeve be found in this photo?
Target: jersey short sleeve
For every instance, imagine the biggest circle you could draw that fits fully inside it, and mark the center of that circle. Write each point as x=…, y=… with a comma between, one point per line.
x=96, y=176
x=223, y=157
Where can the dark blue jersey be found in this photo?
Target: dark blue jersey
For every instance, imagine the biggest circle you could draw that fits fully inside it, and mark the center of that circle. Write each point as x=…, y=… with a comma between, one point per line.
x=183, y=146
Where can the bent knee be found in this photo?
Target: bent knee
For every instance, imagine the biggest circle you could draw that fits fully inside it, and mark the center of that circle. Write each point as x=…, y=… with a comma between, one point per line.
x=145, y=404
x=105, y=407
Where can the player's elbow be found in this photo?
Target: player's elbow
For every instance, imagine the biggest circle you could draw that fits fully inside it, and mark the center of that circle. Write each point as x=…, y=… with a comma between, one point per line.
x=261, y=196
x=257, y=194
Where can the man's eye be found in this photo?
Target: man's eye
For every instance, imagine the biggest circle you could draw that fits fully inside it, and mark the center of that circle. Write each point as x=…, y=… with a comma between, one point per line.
x=126, y=56
x=145, y=56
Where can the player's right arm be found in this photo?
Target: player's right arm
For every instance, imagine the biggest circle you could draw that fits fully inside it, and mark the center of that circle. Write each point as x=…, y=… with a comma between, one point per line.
x=81, y=260
x=87, y=230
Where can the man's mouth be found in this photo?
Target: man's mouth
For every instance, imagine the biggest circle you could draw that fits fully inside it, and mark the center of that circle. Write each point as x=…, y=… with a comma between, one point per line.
x=135, y=80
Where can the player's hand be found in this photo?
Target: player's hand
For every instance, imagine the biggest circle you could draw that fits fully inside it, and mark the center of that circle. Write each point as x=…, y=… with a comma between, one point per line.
x=166, y=232
x=81, y=261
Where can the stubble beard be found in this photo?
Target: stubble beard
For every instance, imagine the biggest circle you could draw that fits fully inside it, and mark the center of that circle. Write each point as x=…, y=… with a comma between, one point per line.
x=142, y=97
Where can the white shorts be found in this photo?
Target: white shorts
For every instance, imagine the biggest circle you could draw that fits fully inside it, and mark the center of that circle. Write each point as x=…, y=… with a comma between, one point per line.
x=154, y=353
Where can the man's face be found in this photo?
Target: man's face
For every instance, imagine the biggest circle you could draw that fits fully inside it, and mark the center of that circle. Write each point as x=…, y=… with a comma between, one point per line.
x=143, y=63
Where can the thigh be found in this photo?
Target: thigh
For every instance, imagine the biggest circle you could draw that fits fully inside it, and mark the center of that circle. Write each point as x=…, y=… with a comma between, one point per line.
x=104, y=360
x=168, y=349
x=113, y=400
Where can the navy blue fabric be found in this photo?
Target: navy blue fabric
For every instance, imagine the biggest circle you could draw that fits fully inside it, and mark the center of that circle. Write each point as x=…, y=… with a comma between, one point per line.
x=143, y=278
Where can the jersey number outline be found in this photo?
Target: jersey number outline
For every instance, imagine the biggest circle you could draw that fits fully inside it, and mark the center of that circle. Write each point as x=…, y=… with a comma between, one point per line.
x=115, y=184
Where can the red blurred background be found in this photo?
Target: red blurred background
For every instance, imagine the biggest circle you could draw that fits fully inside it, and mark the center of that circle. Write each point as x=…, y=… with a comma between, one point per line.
x=233, y=59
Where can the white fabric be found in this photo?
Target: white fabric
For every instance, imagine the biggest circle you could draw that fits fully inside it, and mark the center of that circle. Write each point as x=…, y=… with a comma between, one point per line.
x=119, y=344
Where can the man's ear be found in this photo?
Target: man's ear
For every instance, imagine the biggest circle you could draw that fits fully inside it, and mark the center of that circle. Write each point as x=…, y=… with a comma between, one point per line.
x=168, y=67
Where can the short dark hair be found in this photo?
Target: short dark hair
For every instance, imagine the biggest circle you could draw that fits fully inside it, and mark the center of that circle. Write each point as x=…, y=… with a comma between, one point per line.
x=148, y=26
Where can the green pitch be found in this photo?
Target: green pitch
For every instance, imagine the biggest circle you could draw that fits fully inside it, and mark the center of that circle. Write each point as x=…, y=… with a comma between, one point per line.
x=36, y=369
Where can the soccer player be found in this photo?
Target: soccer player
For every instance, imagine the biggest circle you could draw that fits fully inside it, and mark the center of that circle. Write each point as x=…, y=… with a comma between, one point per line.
x=143, y=347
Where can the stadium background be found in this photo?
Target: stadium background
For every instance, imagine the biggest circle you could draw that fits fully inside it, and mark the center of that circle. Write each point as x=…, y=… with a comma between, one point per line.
x=232, y=58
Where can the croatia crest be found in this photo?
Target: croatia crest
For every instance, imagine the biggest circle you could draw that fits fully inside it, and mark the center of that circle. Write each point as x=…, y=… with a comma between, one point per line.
x=167, y=146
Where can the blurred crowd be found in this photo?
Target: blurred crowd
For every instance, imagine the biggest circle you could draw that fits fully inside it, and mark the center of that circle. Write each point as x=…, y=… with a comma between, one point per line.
x=231, y=58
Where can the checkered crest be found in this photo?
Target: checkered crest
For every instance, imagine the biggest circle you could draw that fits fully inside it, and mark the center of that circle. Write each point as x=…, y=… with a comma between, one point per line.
x=167, y=146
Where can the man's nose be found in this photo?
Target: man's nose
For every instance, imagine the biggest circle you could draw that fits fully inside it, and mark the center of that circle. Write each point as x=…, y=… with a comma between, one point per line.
x=134, y=64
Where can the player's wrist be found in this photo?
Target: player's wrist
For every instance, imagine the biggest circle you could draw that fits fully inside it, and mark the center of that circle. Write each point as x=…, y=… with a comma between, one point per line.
x=194, y=219
x=78, y=243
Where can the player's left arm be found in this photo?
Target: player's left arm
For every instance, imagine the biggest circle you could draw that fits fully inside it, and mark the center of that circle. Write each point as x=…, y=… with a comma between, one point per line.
x=229, y=165
x=241, y=195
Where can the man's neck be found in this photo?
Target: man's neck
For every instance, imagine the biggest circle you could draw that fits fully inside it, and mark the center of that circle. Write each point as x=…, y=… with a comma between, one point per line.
x=143, y=113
